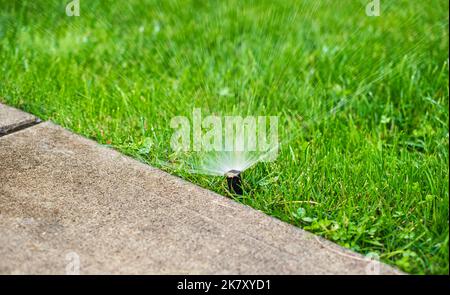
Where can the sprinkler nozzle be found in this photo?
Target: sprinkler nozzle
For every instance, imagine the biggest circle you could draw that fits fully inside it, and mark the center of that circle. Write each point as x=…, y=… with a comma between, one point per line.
x=234, y=181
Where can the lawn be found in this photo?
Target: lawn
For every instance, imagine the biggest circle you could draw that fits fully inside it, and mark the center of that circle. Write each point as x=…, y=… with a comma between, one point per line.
x=362, y=102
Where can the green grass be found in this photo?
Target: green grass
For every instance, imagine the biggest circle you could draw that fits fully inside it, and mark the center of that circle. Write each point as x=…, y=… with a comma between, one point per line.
x=372, y=177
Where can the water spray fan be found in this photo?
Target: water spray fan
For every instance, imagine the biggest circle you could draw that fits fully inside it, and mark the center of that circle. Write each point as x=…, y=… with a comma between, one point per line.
x=234, y=181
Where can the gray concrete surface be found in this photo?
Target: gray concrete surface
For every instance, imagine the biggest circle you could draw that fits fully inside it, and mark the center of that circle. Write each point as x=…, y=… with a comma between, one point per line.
x=12, y=119
x=65, y=199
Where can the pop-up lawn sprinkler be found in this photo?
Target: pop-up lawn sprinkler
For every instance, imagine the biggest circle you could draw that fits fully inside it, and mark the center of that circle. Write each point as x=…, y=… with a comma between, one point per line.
x=234, y=181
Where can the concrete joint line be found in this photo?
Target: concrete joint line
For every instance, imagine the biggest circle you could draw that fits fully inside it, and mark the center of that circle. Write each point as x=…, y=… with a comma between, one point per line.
x=18, y=128
x=13, y=120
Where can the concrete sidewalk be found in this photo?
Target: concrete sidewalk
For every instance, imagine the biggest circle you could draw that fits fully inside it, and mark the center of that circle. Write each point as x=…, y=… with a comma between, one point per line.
x=67, y=203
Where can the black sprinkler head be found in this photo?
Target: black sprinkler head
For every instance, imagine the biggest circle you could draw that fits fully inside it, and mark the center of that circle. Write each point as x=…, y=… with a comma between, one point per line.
x=234, y=181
